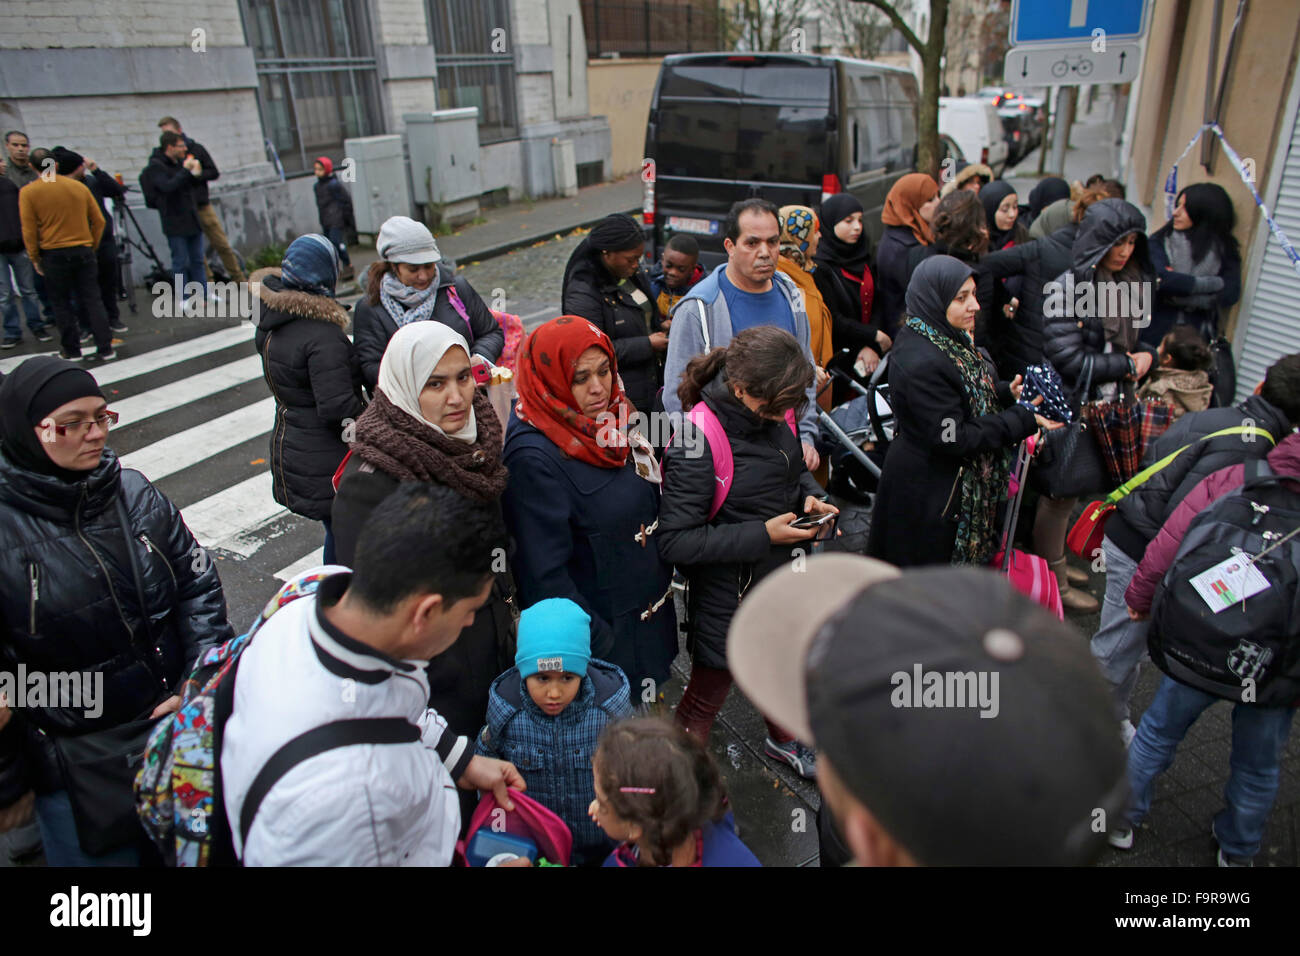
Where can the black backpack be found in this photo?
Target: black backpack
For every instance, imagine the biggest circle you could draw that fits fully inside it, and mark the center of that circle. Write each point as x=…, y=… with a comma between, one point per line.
x=147, y=189
x=1249, y=651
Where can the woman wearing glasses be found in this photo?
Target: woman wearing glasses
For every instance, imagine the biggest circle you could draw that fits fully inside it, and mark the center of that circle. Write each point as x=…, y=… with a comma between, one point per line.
x=105, y=593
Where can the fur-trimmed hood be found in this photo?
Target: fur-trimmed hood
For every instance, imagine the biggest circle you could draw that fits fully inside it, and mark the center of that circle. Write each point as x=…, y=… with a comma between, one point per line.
x=281, y=305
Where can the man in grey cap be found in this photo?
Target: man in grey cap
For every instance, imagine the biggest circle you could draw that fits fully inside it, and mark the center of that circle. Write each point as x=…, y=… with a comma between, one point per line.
x=962, y=726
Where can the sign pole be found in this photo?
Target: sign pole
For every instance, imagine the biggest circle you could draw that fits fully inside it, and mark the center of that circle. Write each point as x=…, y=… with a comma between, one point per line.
x=1061, y=135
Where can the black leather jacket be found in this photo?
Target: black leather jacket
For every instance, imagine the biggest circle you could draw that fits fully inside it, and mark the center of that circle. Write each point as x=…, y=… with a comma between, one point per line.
x=69, y=602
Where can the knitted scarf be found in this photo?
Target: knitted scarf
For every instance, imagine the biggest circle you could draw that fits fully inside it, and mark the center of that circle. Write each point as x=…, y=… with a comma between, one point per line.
x=983, y=479
x=410, y=450
x=404, y=304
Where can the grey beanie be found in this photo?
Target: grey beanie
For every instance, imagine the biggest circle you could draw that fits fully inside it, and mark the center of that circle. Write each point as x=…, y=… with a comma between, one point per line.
x=402, y=239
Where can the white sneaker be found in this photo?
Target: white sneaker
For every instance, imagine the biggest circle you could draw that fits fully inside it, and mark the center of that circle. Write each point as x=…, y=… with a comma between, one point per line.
x=1127, y=731
x=1121, y=838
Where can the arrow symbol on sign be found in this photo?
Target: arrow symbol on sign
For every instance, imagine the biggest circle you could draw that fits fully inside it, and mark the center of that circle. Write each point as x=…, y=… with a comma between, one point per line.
x=1122, y=54
x=1024, y=67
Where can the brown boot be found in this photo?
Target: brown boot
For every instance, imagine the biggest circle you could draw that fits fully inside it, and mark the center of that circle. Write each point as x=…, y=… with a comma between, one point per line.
x=1074, y=600
x=1075, y=576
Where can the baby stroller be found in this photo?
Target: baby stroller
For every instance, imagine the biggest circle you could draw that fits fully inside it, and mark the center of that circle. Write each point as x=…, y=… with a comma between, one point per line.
x=867, y=420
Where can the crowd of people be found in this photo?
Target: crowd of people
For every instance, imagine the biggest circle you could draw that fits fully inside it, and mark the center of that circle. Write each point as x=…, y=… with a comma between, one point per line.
x=503, y=590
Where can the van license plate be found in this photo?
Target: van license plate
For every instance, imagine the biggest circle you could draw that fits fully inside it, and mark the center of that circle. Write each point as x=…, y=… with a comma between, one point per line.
x=701, y=227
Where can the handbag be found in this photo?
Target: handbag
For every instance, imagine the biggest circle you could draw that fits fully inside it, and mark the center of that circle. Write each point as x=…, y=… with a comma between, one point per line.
x=1069, y=461
x=1084, y=538
x=99, y=767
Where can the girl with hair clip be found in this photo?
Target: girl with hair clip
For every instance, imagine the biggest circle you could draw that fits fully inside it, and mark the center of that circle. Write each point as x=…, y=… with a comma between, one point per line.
x=659, y=793
x=749, y=393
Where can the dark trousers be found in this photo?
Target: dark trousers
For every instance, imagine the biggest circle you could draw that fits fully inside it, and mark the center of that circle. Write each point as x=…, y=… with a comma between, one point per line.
x=337, y=236
x=106, y=275
x=704, y=697
x=69, y=272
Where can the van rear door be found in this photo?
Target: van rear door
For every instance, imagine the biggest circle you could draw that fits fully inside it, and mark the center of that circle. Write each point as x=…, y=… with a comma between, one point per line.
x=724, y=128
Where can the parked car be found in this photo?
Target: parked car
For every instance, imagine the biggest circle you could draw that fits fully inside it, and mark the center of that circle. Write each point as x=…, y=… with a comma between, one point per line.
x=974, y=123
x=791, y=129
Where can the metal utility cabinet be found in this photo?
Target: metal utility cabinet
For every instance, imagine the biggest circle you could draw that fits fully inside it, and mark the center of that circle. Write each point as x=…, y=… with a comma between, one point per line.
x=445, y=161
x=380, y=191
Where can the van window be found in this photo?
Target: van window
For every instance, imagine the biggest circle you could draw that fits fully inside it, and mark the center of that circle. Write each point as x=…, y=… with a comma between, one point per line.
x=775, y=133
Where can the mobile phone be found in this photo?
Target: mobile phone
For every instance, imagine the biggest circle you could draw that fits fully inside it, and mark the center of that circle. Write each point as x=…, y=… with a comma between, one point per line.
x=811, y=521
x=482, y=373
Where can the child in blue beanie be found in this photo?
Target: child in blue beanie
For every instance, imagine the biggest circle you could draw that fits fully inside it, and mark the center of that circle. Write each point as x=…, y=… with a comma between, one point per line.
x=545, y=715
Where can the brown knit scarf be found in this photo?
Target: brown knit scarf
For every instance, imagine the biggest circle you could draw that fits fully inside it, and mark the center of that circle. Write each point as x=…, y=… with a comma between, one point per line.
x=411, y=450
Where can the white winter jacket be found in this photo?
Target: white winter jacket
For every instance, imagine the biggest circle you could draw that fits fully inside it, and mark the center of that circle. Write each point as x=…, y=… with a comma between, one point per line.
x=362, y=805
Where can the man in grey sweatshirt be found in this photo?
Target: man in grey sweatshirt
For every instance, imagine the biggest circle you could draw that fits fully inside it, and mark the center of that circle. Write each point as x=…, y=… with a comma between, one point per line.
x=745, y=292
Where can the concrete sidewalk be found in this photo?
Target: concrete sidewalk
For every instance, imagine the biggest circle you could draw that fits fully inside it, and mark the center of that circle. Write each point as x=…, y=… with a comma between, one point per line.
x=1092, y=149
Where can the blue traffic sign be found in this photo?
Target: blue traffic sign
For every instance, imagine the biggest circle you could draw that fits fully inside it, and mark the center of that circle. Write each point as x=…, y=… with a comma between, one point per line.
x=1062, y=21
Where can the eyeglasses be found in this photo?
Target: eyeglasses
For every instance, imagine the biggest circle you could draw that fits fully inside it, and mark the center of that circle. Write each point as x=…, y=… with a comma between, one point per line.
x=80, y=429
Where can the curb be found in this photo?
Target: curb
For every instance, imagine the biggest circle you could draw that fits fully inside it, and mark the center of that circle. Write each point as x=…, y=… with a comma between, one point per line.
x=502, y=248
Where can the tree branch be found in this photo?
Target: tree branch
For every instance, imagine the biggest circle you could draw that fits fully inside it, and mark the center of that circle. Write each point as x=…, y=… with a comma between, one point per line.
x=899, y=24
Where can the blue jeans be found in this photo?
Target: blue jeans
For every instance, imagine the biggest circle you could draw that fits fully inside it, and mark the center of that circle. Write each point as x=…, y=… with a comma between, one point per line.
x=25, y=278
x=1119, y=644
x=1259, y=735
x=59, y=834
x=336, y=236
x=187, y=259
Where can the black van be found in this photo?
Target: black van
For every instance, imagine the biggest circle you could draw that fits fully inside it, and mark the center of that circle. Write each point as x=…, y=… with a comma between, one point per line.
x=791, y=129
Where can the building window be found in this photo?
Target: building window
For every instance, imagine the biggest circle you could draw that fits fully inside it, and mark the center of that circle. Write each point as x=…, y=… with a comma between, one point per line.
x=316, y=72
x=476, y=65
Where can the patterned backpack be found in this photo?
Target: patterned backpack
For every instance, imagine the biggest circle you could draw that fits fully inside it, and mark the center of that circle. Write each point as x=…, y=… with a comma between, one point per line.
x=178, y=788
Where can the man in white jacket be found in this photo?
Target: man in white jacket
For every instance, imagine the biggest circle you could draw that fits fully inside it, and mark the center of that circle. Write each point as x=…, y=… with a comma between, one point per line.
x=357, y=649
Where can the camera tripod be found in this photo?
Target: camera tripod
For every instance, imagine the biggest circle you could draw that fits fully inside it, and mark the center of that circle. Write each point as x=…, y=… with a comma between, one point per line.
x=122, y=212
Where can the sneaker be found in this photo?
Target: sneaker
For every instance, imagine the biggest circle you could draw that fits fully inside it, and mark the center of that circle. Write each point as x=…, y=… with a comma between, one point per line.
x=43, y=336
x=105, y=355
x=803, y=760
x=1127, y=731
x=87, y=337
x=1225, y=860
x=1121, y=838
x=11, y=342
x=117, y=327
x=25, y=844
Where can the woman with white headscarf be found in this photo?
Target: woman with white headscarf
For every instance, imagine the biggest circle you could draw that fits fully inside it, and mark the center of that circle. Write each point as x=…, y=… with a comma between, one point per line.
x=428, y=422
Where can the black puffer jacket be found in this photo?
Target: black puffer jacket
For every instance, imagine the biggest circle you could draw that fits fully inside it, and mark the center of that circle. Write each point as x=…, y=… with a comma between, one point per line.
x=1139, y=516
x=593, y=293
x=177, y=190
x=1069, y=339
x=68, y=602
x=308, y=363
x=1016, y=343
x=372, y=326
x=724, y=557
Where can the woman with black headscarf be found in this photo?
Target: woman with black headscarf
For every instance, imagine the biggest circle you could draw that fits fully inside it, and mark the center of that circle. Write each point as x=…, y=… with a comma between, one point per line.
x=1002, y=213
x=844, y=277
x=99, y=580
x=1197, y=263
x=311, y=367
x=605, y=284
x=946, y=471
x=1045, y=192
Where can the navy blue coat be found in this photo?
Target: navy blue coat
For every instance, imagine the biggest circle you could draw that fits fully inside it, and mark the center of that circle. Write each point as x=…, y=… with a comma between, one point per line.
x=575, y=529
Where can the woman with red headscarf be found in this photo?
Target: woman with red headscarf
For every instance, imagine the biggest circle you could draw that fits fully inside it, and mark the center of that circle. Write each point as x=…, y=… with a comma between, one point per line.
x=582, y=502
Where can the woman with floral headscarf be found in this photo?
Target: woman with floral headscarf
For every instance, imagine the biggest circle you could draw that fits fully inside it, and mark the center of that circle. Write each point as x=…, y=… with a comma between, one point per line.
x=582, y=501
x=799, y=237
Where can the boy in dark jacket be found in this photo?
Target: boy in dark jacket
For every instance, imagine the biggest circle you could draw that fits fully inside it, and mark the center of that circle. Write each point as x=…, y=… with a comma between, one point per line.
x=1214, y=439
x=334, y=206
x=546, y=713
x=678, y=270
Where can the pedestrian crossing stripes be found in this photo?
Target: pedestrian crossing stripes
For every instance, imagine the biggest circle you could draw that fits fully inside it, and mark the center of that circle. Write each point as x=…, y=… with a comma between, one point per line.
x=155, y=359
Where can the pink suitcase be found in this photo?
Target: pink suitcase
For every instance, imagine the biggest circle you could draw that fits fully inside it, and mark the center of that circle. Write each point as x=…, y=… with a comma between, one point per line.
x=1029, y=573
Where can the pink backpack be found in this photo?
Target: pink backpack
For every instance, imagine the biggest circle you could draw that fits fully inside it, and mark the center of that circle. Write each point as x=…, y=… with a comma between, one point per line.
x=724, y=466
x=513, y=327
x=529, y=819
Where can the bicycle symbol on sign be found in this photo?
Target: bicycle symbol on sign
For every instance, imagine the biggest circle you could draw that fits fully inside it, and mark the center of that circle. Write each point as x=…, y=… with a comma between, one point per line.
x=1061, y=67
